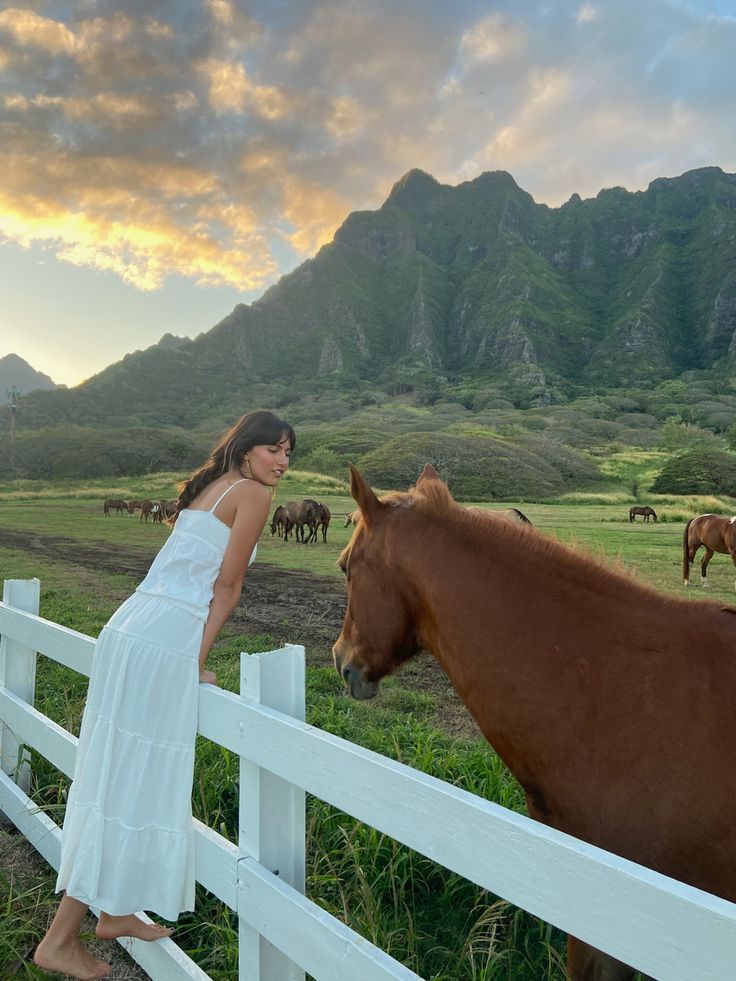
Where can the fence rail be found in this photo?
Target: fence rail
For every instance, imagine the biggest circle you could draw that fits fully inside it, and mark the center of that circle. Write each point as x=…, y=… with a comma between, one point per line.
x=662, y=927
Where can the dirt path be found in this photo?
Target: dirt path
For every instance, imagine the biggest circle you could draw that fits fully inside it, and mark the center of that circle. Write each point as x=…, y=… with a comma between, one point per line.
x=290, y=605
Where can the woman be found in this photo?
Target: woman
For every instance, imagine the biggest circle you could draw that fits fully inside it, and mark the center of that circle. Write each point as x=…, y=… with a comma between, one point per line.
x=128, y=843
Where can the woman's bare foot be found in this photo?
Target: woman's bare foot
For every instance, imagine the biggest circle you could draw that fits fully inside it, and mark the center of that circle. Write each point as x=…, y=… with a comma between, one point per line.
x=112, y=927
x=71, y=959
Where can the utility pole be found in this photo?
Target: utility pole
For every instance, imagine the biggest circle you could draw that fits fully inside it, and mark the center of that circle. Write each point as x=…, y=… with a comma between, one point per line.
x=13, y=396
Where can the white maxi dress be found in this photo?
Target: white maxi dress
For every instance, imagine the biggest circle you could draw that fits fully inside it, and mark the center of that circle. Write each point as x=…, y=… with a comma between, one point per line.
x=128, y=842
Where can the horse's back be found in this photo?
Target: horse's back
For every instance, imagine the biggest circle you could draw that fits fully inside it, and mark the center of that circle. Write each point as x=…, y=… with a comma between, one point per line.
x=710, y=530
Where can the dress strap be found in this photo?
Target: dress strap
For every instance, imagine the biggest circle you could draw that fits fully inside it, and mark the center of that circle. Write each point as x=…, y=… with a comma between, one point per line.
x=225, y=493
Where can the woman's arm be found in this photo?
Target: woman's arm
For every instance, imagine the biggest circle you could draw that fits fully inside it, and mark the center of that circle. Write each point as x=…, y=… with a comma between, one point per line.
x=253, y=503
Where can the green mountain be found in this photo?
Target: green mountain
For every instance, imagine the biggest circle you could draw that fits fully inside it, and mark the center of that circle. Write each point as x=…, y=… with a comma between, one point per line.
x=476, y=286
x=17, y=373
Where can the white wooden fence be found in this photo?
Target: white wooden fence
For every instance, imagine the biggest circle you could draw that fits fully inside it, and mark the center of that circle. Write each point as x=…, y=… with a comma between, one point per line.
x=664, y=928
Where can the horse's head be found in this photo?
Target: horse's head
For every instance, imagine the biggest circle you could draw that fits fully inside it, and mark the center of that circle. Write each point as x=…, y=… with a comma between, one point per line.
x=379, y=629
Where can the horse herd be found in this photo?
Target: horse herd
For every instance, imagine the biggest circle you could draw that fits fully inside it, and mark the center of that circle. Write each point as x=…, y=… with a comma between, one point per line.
x=158, y=511
x=302, y=519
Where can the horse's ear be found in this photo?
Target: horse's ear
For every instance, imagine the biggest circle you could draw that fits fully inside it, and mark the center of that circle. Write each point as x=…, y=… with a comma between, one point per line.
x=363, y=495
x=427, y=474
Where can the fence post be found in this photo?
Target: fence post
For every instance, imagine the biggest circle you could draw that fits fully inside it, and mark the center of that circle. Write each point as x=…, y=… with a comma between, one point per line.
x=18, y=674
x=272, y=811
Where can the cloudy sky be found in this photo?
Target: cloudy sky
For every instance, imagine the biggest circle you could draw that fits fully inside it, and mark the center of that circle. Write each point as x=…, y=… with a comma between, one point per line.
x=162, y=160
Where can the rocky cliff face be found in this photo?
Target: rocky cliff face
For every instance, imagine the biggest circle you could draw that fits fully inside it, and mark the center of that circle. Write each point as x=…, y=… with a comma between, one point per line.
x=612, y=290
x=619, y=289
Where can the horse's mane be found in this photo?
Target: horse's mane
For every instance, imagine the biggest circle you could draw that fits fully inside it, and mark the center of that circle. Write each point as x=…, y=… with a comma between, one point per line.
x=433, y=498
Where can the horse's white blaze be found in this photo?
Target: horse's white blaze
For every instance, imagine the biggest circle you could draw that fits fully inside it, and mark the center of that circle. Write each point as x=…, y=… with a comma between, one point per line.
x=731, y=520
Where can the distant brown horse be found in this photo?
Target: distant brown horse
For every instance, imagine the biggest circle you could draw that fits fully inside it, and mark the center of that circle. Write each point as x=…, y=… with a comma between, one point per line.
x=646, y=513
x=599, y=694
x=307, y=519
x=133, y=506
x=716, y=533
x=291, y=511
x=325, y=516
x=112, y=504
x=278, y=521
x=150, y=509
x=352, y=517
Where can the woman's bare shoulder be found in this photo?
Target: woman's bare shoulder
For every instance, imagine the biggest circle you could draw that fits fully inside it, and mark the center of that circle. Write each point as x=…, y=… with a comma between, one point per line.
x=252, y=492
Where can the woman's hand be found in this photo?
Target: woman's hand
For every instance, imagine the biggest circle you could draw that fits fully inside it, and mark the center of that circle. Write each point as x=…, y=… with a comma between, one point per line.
x=207, y=677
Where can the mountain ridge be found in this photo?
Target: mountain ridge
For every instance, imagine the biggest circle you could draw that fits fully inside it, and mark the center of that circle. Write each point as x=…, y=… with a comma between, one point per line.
x=16, y=371
x=474, y=281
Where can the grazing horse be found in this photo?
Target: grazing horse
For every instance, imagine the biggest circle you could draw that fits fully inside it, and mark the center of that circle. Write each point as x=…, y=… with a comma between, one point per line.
x=133, y=506
x=646, y=513
x=152, y=508
x=613, y=705
x=352, y=517
x=277, y=522
x=307, y=512
x=290, y=516
x=169, y=508
x=325, y=516
x=716, y=533
x=117, y=506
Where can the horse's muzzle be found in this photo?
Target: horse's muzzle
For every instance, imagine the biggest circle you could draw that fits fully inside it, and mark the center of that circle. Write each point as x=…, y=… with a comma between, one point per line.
x=359, y=688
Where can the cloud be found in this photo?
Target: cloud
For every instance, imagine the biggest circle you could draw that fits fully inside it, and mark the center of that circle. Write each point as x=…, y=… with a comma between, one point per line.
x=586, y=13
x=231, y=89
x=142, y=252
x=492, y=37
x=29, y=29
x=195, y=138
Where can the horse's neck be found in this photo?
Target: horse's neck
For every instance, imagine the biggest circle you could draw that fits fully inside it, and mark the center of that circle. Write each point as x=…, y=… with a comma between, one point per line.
x=508, y=634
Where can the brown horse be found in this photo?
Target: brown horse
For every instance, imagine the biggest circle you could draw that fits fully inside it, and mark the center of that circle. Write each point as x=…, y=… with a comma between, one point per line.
x=646, y=513
x=278, y=521
x=307, y=517
x=291, y=511
x=716, y=533
x=612, y=705
x=323, y=517
x=133, y=506
x=151, y=509
x=117, y=506
x=352, y=517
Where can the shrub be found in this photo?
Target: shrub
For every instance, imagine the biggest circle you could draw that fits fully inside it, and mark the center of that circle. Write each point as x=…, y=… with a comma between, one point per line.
x=701, y=471
x=83, y=452
x=478, y=467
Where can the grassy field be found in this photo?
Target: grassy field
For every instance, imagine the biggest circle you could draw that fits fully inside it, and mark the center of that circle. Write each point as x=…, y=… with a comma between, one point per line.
x=442, y=927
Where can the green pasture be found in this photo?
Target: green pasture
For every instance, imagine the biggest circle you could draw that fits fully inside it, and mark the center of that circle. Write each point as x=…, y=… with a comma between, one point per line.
x=441, y=926
x=597, y=522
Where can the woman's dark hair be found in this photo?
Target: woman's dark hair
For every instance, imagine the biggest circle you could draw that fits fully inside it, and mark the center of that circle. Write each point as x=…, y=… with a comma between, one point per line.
x=258, y=428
